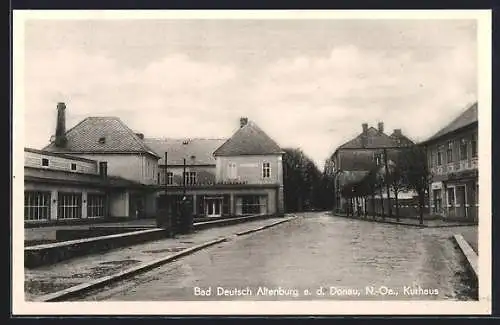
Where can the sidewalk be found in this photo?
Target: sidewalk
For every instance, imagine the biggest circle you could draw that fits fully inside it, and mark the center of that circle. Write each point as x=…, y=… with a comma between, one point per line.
x=49, y=279
x=471, y=237
x=433, y=223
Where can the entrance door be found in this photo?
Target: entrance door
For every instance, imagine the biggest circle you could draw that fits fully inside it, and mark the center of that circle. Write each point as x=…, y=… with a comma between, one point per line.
x=461, y=201
x=213, y=207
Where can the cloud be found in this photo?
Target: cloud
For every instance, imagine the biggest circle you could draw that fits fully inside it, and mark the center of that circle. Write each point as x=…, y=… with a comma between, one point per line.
x=324, y=100
x=161, y=98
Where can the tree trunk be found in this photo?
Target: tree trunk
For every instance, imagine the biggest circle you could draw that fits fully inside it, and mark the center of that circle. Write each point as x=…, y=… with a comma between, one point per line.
x=366, y=206
x=421, y=206
x=382, y=203
x=396, y=192
x=373, y=205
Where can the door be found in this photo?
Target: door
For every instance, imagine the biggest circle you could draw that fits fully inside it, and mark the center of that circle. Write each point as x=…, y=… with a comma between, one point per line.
x=213, y=207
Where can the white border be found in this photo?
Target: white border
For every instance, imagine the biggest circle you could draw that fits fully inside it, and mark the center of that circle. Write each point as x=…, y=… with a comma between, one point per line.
x=483, y=306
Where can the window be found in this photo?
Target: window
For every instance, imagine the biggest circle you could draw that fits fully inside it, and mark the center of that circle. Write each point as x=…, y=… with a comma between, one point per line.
x=69, y=206
x=73, y=166
x=190, y=178
x=474, y=145
x=96, y=205
x=449, y=152
x=102, y=140
x=232, y=171
x=451, y=197
x=440, y=156
x=251, y=204
x=45, y=162
x=266, y=170
x=432, y=158
x=36, y=206
x=463, y=149
x=170, y=178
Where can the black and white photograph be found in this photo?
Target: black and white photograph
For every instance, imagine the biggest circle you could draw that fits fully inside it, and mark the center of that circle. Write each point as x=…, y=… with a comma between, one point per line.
x=220, y=162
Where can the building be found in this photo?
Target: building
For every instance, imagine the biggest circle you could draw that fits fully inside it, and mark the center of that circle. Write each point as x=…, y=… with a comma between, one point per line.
x=241, y=175
x=126, y=156
x=453, y=161
x=354, y=159
x=64, y=188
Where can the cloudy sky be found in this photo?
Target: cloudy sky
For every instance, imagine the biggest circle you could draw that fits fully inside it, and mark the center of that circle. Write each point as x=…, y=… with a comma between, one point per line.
x=307, y=83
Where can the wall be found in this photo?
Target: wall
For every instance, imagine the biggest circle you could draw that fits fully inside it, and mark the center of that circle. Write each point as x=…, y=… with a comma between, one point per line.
x=249, y=169
x=33, y=159
x=457, y=164
x=128, y=166
x=119, y=203
x=204, y=174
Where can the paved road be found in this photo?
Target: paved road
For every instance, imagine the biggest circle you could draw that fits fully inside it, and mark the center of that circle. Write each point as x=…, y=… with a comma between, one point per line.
x=331, y=257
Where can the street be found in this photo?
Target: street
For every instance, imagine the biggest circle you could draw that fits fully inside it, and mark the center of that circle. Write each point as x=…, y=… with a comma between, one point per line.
x=316, y=256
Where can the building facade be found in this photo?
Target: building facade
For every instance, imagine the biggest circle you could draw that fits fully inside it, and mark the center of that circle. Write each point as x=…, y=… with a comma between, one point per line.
x=352, y=161
x=127, y=157
x=242, y=175
x=63, y=188
x=453, y=161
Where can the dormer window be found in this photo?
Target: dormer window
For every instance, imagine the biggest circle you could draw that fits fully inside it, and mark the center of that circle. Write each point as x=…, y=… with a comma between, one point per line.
x=45, y=162
x=73, y=166
x=102, y=140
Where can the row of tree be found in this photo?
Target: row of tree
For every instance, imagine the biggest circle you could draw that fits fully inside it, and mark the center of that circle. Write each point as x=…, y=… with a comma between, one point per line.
x=399, y=170
x=305, y=186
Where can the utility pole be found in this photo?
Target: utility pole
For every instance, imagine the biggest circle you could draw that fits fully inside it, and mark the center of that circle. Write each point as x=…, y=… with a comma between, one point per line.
x=387, y=184
x=168, y=214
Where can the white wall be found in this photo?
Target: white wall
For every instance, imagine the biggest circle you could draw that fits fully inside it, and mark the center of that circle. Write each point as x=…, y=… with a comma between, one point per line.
x=34, y=159
x=249, y=169
x=129, y=166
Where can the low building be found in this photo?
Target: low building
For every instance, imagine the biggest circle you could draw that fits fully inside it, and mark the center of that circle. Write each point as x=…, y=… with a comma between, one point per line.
x=63, y=188
x=242, y=175
x=352, y=161
x=453, y=161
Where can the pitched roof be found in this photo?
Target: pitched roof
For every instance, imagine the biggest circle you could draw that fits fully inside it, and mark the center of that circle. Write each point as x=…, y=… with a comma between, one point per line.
x=177, y=149
x=466, y=118
x=85, y=137
x=248, y=140
x=374, y=139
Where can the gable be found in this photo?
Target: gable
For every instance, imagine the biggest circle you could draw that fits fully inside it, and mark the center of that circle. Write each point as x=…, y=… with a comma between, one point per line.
x=249, y=140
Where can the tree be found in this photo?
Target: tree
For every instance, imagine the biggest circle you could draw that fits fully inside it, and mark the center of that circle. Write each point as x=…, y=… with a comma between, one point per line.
x=301, y=180
x=415, y=173
x=396, y=179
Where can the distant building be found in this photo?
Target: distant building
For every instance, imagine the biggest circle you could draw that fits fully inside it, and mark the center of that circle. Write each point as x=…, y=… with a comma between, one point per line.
x=242, y=175
x=109, y=140
x=354, y=159
x=453, y=161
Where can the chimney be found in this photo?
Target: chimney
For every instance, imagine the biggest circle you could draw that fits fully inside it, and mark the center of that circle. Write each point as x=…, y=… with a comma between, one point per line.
x=381, y=127
x=397, y=132
x=243, y=121
x=140, y=135
x=103, y=169
x=60, y=138
x=365, y=128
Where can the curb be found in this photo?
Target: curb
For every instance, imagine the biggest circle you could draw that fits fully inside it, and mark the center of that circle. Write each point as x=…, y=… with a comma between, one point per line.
x=101, y=282
x=470, y=255
x=405, y=223
x=264, y=227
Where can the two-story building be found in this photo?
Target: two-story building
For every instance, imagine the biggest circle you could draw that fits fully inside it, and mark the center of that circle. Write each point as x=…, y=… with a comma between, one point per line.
x=126, y=156
x=242, y=175
x=453, y=161
x=352, y=161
